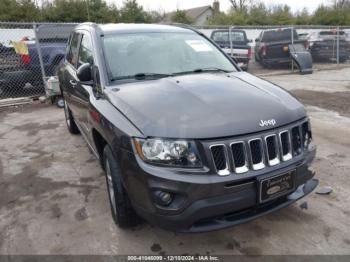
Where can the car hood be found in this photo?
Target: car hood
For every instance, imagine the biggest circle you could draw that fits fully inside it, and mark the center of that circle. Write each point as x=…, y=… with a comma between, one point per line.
x=204, y=105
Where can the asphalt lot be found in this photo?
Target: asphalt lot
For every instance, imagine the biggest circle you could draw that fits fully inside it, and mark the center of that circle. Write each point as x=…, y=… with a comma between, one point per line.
x=54, y=200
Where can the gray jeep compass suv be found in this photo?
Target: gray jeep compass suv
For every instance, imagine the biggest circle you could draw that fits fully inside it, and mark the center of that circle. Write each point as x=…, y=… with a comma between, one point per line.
x=188, y=141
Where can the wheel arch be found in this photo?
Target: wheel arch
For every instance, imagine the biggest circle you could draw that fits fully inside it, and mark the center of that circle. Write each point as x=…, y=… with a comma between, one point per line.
x=99, y=143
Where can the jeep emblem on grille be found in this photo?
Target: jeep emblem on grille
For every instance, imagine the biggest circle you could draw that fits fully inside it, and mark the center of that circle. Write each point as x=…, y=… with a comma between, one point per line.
x=271, y=122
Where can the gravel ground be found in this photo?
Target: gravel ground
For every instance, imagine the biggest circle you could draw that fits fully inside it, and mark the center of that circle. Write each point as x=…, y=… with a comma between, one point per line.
x=54, y=200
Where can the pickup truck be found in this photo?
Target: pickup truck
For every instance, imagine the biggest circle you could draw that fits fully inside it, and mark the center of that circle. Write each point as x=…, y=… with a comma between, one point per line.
x=323, y=46
x=20, y=75
x=187, y=140
x=272, y=46
x=241, y=50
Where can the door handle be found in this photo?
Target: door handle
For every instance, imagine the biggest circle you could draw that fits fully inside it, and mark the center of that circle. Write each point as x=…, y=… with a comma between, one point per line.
x=73, y=83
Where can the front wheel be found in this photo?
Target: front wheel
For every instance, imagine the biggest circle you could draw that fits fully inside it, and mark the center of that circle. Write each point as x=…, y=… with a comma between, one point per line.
x=71, y=125
x=122, y=211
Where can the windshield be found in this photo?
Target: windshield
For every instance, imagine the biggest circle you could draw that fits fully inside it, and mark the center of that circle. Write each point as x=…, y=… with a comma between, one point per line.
x=162, y=54
x=224, y=36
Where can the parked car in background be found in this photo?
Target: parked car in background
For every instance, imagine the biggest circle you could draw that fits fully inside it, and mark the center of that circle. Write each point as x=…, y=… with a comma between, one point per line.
x=272, y=46
x=187, y=140
x=323, y=46
x=19, y=71
x=347, y=39
x=241, y=50
x=303, y=36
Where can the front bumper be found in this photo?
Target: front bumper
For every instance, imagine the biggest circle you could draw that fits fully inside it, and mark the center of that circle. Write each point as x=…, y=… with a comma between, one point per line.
x=226, y=211
x=205, y=202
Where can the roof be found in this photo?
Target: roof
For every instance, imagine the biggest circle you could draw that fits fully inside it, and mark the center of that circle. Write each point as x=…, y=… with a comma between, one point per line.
x=54, y=31
x=226, y=30
x=130, y=28
x=194, y=13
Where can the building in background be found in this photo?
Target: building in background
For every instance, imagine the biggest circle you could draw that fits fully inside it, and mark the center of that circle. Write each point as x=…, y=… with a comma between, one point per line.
x=199, y=15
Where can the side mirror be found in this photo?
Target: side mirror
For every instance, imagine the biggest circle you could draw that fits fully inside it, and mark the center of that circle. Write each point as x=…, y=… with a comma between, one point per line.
x=250, y=41
x=257, y=40
x=84, y=73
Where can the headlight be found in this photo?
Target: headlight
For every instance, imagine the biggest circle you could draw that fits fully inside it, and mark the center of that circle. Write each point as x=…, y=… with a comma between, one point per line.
x=307, y=134
x=178, y=153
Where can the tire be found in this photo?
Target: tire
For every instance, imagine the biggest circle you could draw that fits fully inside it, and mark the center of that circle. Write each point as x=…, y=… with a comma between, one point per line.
x=71, y=125
x=122, y=211
x=257, y=59
x=59, y=101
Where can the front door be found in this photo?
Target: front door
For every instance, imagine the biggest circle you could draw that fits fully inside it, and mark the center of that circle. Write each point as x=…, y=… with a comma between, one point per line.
x=84, y=92
x=70, y=77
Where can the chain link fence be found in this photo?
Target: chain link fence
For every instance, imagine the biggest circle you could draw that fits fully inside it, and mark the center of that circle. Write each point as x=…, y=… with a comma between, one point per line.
x=30, y=53
x=327, y=46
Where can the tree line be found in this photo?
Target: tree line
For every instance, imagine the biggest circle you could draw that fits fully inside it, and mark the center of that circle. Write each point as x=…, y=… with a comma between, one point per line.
x=75, y=11
x=242, y=12
x=249, y=12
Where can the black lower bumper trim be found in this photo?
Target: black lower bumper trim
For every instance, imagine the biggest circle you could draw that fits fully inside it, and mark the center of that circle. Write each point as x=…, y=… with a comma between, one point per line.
x=229, y=220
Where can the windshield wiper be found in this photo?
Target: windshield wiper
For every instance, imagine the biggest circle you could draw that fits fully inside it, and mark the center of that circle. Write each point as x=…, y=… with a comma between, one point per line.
x=201, y=70
x=141, y=76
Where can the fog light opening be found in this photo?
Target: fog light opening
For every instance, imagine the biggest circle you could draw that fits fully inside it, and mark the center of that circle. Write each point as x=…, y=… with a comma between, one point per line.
x=163, y=198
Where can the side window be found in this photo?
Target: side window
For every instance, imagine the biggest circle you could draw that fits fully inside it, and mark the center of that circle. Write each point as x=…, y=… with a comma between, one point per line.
x=85, y=51
x=72, y=56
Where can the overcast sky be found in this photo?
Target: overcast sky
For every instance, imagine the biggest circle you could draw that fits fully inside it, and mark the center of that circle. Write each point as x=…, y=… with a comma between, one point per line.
x=170, y=5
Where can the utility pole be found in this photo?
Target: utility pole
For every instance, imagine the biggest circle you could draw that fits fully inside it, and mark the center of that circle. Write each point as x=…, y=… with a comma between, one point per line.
x=87, y=9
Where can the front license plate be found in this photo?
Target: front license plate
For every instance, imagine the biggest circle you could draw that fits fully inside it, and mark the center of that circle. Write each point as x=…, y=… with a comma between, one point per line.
x=276, y=186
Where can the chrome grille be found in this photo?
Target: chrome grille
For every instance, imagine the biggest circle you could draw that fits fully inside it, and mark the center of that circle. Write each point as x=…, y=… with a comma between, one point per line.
x=219, y=154
x=257, y=154
x=272, y=150
x=260, y=152
x=286, y=150
x=239, y=155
